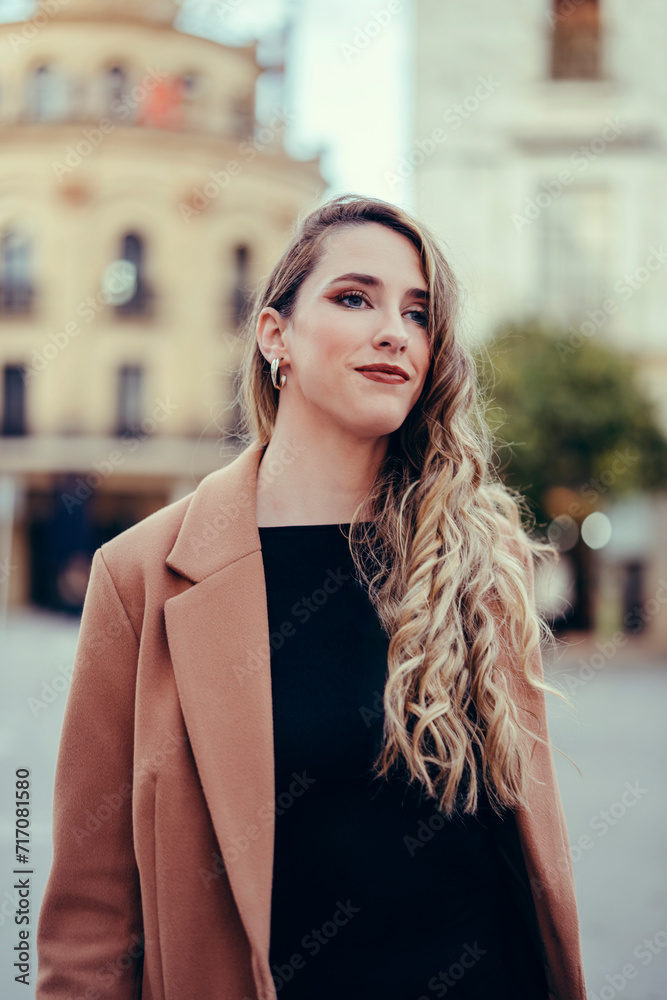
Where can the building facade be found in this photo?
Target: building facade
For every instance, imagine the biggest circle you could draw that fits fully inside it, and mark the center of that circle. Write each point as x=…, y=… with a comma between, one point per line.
x=140, y=202
x=539, y=154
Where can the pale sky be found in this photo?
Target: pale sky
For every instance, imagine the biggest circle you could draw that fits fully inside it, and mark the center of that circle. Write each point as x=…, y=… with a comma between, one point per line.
x=348, y=81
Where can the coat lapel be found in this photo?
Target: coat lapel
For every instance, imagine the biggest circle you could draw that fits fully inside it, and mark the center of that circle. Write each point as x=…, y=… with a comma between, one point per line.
x=218, y=635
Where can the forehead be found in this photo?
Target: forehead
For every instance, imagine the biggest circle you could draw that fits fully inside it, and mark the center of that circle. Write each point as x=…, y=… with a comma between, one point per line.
x=371, y=248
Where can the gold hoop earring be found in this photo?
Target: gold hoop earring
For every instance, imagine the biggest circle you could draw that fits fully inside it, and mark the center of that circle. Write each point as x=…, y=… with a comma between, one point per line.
x=275, y=364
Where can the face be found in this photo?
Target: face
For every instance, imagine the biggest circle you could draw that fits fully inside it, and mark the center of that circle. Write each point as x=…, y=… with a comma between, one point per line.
x=342, y=324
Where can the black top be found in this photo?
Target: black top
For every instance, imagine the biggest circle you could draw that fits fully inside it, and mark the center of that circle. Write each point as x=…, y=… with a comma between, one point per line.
x=376, y=893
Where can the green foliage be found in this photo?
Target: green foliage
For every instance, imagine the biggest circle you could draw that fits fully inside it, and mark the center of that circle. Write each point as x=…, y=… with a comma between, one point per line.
x=567, y=415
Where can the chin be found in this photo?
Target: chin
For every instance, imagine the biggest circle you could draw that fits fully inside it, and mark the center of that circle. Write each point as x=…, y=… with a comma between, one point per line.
x=372, y=420
x=378, y=428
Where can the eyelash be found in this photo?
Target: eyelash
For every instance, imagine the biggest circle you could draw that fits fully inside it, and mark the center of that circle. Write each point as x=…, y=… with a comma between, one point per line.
x=352, y=293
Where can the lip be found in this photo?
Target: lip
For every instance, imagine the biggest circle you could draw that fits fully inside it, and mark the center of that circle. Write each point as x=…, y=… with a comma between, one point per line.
x=387, y=377
x=389, y=374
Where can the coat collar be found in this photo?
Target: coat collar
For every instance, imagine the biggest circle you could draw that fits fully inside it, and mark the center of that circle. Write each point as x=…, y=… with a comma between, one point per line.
x=220, y=524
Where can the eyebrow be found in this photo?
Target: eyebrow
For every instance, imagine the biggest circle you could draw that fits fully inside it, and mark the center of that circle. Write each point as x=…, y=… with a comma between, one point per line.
x=372, y=282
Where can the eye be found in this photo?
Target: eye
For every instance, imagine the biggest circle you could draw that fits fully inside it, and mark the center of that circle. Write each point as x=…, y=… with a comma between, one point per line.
x=421, y=314
x=351, y=295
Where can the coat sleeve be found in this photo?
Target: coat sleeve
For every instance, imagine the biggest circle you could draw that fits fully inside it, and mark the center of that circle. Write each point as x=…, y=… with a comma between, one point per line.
x=89, y=934
x=547, y=854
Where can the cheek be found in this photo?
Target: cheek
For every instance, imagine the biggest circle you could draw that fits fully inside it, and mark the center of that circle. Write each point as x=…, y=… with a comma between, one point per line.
x=424, y=362
x=328, y=344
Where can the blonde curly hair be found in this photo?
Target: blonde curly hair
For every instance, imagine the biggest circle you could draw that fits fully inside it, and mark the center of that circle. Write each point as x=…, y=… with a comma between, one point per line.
x=438, y=542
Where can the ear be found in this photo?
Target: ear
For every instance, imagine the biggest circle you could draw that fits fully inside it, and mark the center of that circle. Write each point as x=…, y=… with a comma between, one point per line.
x=270, y=328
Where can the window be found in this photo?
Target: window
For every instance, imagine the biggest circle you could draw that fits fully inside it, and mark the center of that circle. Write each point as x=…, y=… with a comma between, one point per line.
x=575, y=40
x=577, y=234
x=194, y=89
x=192, y=86
x=240, y=296
x=47, y=97
x=243, y=117
x=130, y=408
x=137, y=298
x=16, y=289
x=13, y=400
x=115, y=91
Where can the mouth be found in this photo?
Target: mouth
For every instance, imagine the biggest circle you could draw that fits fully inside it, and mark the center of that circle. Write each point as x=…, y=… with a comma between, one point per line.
x=389, y=374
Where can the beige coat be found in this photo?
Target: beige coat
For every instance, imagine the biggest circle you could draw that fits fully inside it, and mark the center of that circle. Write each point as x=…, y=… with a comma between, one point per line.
x=163, y=821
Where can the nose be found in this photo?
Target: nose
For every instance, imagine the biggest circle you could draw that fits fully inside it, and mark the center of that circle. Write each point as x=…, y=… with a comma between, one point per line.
x=392, y=334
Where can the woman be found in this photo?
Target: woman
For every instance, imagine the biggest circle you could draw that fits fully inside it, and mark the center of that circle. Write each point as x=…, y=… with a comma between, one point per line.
x=305, y=751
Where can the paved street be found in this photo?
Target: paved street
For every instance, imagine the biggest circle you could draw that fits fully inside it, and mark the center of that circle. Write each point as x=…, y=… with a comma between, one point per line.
x=616, y=810
x=617, y=817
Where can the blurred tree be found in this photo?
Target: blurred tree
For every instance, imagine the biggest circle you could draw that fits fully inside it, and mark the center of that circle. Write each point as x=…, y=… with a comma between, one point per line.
x=573, y=426
x=565, y=412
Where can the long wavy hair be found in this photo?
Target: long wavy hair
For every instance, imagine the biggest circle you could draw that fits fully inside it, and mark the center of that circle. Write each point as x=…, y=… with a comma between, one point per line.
x=438, y=542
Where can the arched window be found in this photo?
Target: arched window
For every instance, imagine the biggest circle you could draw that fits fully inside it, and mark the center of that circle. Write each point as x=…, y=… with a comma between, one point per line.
x=130, y=399
x=243, y=116
x=139, y=298
x=576, y=41
x=115, y=91
x=193, y=89
x=240, y=300
x=192, y=86
x=16, y=288
x=47, y=96
x=13, y=400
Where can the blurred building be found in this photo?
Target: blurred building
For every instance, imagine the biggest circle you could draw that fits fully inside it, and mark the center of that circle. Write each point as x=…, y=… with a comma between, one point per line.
x=539, y=153
x=140, y=201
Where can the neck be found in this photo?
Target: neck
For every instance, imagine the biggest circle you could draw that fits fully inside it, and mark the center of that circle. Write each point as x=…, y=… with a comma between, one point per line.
x=315, y=474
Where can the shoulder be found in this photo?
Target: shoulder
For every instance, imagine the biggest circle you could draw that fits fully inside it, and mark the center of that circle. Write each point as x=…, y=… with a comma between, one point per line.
x=149, y=540
x=136, y=558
